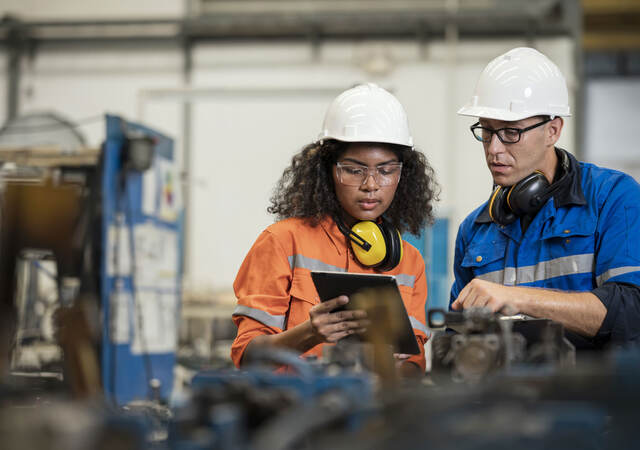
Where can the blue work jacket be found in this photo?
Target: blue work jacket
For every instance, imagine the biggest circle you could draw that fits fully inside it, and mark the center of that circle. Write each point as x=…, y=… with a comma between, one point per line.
x=585, y=238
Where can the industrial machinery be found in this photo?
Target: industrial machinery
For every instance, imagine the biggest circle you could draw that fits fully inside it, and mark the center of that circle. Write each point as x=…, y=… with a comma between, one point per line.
x=90, y=260
x=477, y=343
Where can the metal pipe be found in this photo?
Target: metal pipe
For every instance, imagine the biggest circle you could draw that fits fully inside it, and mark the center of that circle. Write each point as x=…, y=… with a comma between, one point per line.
x=187, y=114
x=14, y=59
x=324, y=19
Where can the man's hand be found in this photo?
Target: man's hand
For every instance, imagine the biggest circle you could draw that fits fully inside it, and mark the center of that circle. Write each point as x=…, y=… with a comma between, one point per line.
x=480, y=293
x=330, y=326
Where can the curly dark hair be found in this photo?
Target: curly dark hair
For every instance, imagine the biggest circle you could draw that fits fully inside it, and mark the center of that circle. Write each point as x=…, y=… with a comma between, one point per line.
x=306, y=187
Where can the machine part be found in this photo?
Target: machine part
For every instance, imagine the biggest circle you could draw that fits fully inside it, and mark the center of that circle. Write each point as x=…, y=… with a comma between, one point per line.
x=590, y=406
x=519, y=84
x=348, y=355
x=138, y=152
x=269, y=357
x=258, y=407
x=473, y=357
x=42, y=129
x=299, y=424
x=485, y=343
x=28, y=423
x=46, y=216
x=366, y=113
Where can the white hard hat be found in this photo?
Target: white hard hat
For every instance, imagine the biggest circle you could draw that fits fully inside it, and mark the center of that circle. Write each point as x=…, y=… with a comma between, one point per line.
x=366, y=113
x=519, y=84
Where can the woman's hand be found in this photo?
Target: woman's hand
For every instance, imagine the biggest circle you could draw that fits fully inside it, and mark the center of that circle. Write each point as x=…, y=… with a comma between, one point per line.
x=328, y=326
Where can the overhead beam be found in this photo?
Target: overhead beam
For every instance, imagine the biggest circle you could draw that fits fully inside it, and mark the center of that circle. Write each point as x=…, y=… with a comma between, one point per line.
x=396, y=19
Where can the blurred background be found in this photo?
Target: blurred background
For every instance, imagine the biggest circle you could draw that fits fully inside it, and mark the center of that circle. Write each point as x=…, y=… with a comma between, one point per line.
x=240, y=86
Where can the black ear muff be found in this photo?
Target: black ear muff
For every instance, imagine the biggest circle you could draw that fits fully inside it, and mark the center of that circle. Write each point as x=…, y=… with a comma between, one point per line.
x=529, y=194
x=499, y=208
x=525, y=197
x=394, y=246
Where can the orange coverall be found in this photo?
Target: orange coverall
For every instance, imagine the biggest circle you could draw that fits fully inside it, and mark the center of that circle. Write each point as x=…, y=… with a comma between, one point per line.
x=275, y=291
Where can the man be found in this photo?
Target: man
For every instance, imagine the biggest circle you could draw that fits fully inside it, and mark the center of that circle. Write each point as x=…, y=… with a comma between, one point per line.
x=558, y=238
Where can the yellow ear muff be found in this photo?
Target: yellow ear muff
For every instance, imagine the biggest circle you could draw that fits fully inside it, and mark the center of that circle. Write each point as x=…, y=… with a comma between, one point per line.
x=370, y=232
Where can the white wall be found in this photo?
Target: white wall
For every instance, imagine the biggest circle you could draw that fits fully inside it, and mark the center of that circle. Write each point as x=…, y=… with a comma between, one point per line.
x=611, y=134
x=245, y=127
x=88, y=83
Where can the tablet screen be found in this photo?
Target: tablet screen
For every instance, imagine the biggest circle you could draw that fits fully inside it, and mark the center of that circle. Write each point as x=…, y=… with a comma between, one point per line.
x=379, y=296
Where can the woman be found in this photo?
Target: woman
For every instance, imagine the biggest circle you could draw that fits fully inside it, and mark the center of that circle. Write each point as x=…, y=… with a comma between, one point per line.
x=351, y=174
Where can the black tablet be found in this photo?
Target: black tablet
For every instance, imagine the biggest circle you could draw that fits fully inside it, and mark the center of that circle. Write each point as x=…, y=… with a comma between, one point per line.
x=374, y=294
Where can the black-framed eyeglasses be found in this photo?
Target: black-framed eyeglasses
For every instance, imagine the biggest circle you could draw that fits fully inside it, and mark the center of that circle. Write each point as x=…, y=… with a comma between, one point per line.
x=356, y=175
x=508, y=135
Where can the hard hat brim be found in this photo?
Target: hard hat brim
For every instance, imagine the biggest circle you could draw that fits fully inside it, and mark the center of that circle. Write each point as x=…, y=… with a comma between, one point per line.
x=365, y=138
x=501, y=114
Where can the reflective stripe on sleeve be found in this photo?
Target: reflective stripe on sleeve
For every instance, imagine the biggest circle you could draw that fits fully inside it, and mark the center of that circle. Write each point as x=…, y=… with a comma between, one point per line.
x=506, y=276
x=304, y=262
x=405, y=280
x=264, y=317
x=544, y=270
x=614, y=273
x=416, y=324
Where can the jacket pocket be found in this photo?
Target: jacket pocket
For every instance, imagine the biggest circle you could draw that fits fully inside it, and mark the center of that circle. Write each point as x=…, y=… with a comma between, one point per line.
x=484, y=253
x=302, y=288
x=574, y=237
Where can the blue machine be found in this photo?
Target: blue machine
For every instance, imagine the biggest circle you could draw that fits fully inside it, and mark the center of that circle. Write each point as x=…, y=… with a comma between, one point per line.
x=432, y=244
x=141, y=267
x=259, y=408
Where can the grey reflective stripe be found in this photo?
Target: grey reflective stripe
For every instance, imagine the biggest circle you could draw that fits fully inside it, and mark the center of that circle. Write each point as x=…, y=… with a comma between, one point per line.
x=261, y=316
x=498, y=276
x=567, y=265
x=416, y=324
x=615, y=272
x=559, y=267
x=405, y=280
x=304, y=262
